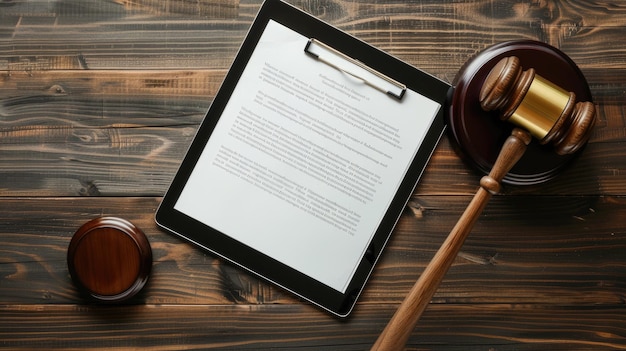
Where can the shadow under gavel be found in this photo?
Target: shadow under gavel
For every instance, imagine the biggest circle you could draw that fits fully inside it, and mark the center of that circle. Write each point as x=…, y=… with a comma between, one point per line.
x=539, y=109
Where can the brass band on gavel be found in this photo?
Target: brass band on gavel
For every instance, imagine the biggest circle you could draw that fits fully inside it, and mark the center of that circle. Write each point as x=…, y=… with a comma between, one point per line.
x=542, y=106
x=547, y=111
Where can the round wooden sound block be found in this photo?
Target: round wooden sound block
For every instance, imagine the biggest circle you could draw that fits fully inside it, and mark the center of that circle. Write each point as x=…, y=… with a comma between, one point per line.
x=109, y=259
x=478, y=135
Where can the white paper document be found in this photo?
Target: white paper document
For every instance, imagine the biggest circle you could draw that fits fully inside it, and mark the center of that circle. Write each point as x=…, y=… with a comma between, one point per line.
x=305, y=159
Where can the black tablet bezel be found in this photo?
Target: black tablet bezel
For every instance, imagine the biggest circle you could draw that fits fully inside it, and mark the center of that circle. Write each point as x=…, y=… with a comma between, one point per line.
x=252, y=260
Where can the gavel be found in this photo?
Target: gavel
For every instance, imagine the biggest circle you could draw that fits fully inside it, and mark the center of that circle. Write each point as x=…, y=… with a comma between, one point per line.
x=539, y=109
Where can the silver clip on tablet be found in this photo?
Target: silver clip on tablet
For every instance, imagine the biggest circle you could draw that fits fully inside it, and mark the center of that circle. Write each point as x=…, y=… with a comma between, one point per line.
x=354, y=68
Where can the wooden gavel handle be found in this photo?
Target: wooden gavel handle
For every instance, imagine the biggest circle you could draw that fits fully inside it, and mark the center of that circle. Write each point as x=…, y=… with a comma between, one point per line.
x=399, y=329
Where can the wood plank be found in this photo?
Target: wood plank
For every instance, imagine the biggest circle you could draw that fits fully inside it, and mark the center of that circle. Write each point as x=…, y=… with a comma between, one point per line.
x=166, y=327
x=435, y=38
x=61, y=79
x=118, y=156
x=524, y=249
x=60, y=84
x=118, y=8
x=208, y=8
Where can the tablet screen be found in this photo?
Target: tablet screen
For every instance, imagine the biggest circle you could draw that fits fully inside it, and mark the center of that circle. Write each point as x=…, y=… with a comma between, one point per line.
x=306, y=158
x=313, y=155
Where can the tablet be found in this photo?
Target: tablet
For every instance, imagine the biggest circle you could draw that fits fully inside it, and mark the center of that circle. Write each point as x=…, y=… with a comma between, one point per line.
x=306, y=158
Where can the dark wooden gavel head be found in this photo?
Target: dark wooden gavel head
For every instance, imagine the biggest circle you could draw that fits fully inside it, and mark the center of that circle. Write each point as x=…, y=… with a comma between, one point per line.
x=550, y=113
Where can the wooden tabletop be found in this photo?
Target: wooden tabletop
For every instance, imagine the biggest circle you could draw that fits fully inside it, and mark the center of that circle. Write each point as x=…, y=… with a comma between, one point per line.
x=99, y=101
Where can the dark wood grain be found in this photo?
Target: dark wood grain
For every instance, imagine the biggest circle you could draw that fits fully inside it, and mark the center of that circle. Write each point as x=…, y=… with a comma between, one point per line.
x=100, y=99
x=264, y=327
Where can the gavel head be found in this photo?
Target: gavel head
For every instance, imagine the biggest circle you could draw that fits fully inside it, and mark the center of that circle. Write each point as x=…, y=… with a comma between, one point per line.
x=550, y=113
